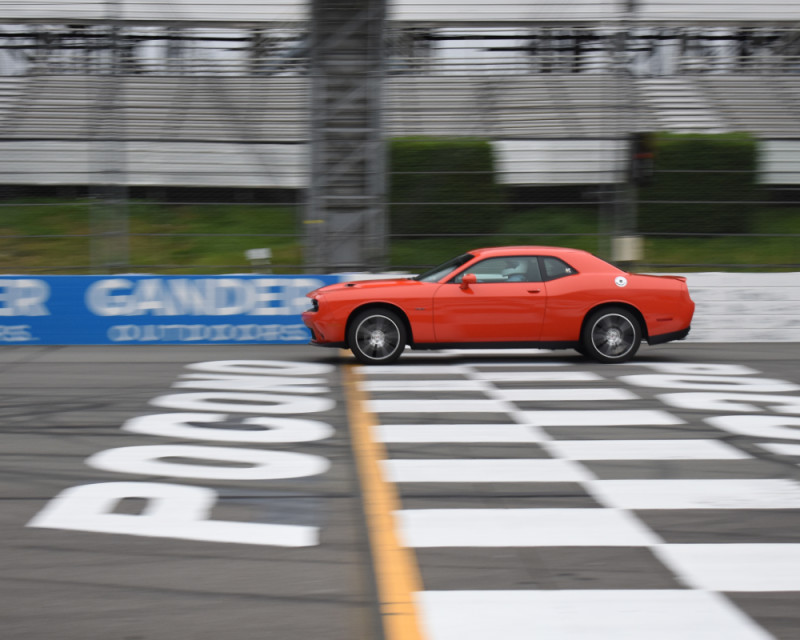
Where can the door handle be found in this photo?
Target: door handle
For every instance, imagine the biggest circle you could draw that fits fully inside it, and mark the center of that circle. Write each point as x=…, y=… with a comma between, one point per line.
x=534, y=290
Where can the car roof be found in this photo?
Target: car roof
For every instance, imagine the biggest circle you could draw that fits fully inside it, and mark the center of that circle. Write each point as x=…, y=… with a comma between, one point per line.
x=525, y=250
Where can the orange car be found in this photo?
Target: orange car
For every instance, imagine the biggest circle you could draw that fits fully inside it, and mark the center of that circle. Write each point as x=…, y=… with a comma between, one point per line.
x=545, y=297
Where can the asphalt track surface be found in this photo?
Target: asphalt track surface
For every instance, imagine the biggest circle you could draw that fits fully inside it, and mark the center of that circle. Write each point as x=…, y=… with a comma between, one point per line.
x=451, y=496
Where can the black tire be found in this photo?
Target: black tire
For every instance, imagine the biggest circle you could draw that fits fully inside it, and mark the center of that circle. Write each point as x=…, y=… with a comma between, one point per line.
x=612, y=334
x=377, y=336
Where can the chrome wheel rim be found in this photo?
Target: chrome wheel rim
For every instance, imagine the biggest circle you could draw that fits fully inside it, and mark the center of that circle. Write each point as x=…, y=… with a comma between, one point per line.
x=377, y=337
x=613, y=335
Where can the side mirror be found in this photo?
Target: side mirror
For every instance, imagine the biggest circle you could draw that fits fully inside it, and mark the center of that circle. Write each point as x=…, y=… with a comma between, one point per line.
x=468, y=279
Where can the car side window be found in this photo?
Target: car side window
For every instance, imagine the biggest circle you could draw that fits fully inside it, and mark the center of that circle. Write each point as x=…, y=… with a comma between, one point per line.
x=556, y=268
x=505, y=269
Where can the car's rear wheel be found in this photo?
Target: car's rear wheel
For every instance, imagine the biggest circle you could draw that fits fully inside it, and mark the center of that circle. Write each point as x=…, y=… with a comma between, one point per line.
x=612, y=334
x=377, y=336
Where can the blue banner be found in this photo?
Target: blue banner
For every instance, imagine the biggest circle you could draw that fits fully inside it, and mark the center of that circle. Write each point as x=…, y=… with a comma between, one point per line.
x=133, y=309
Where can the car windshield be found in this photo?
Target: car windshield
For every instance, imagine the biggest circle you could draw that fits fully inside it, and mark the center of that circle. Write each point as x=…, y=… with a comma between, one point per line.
x=437, y=273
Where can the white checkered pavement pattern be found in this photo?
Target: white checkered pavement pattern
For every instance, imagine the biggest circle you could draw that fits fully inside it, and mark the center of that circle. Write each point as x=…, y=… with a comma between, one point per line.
x=550, y=499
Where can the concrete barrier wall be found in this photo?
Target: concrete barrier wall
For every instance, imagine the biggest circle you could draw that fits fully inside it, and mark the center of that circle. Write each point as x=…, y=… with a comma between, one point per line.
x=745, y=307
x=731, y=307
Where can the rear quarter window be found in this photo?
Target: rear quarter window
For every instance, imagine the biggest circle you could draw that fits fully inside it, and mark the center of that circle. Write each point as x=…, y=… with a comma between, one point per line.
x=553, y=268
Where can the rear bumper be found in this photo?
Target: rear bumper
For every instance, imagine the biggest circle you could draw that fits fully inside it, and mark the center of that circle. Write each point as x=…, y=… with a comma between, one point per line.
x=669, y=337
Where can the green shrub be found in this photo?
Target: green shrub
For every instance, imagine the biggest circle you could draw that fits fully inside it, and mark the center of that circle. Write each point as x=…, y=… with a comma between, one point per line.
x=703, y=183
x=443, y=185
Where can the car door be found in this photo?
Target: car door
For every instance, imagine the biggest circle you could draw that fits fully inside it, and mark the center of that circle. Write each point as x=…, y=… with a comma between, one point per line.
x=506, y=303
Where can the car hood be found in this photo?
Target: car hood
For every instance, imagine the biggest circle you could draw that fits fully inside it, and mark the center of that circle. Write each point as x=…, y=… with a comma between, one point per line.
x=369, y=284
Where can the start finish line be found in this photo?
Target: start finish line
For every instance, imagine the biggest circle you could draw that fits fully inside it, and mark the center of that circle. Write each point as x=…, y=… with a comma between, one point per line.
x=138, y=309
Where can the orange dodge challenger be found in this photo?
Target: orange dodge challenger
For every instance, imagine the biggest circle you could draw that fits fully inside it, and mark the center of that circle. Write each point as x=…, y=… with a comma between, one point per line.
x=544, y=297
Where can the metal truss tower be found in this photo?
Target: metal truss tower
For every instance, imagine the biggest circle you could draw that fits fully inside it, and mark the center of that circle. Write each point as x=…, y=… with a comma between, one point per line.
x=110, y=233
x=345, y=221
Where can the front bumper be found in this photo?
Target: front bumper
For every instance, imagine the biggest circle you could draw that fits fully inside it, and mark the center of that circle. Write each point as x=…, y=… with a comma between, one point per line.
x=328, y=334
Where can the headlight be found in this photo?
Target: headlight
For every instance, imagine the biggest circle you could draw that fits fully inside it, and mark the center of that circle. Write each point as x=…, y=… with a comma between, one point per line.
x=314, y=305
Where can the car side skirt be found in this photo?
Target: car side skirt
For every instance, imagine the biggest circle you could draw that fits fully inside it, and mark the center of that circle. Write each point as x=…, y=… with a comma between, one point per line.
x=566, y=344
x=668, y=337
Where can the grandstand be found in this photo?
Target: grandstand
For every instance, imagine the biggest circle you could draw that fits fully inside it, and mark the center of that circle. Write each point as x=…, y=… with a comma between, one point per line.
x=253, y=132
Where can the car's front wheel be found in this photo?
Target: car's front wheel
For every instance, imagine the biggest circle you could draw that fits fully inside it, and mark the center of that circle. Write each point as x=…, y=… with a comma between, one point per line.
x=612, y=334
x=377, y=336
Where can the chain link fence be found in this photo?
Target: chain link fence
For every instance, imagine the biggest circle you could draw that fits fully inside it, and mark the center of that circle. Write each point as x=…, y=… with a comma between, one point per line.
x=174, y=148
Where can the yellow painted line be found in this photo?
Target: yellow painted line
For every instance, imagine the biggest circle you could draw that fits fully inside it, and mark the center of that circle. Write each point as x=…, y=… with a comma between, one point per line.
x=397, y=573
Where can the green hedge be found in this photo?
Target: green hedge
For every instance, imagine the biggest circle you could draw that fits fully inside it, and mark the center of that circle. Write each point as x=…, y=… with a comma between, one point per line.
x=450, y=182
x=695, y=177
